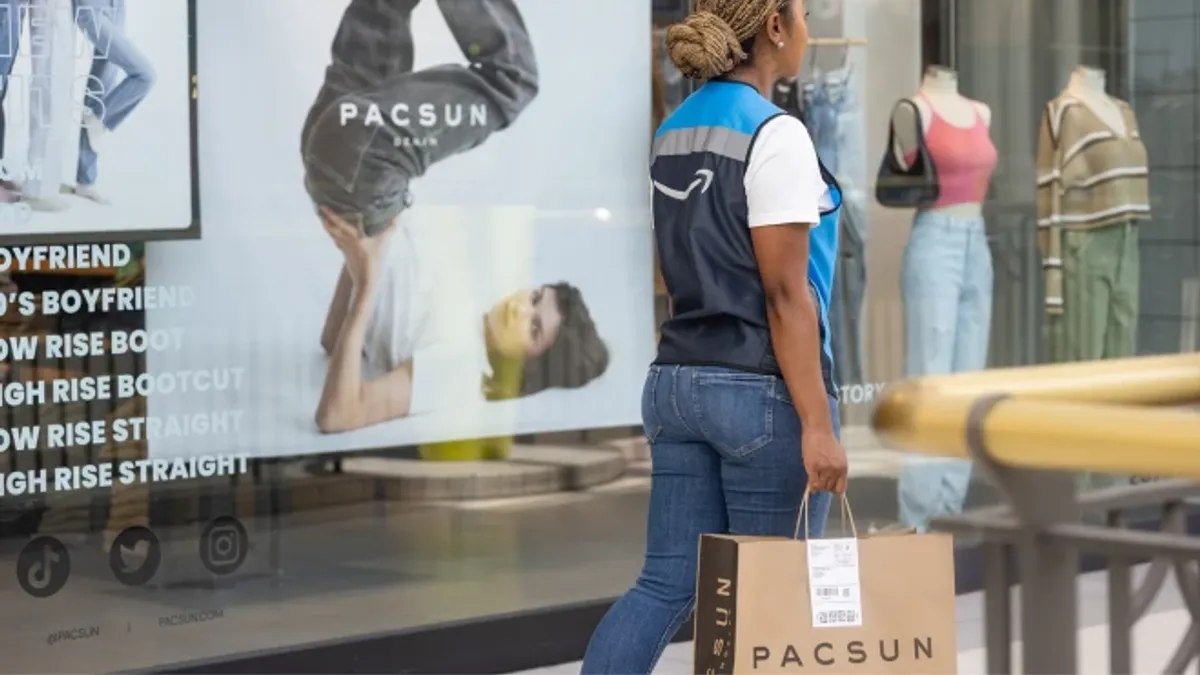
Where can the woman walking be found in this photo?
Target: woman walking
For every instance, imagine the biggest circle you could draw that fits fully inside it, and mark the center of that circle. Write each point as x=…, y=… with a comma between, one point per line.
x=740, y=405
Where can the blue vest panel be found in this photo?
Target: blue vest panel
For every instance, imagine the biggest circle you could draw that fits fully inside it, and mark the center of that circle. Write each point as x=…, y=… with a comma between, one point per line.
x=719, y=313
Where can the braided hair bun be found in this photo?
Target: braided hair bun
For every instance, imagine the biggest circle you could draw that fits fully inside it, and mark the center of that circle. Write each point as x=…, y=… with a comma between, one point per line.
x=704, y=46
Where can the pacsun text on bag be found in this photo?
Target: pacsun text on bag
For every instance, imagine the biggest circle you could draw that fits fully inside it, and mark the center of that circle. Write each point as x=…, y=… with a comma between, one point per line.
x=831, y=653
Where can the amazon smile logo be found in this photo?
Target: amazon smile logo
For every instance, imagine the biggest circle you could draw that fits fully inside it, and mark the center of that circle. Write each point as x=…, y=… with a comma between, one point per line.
x=703, y=181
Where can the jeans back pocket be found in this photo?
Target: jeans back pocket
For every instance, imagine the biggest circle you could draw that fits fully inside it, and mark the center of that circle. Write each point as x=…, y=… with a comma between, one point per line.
x=735, y=411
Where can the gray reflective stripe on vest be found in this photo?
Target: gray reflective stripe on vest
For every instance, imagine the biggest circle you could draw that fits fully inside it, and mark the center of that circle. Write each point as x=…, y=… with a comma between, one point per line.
x=717, y=140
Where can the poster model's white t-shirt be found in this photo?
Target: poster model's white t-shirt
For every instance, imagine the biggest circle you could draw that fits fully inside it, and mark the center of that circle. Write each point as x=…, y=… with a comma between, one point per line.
x=783, y=180
x=424, y=311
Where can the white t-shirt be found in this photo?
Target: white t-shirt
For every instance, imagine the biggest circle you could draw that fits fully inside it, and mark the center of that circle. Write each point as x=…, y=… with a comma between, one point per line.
x=424, y=311
x=783, y=181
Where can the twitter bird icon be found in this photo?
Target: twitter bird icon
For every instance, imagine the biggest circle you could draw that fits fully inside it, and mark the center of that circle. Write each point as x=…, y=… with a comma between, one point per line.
x=135, y=556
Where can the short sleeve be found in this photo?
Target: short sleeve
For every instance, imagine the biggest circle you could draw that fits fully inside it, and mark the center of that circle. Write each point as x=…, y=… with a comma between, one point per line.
x=783, y=179
x=446, y=376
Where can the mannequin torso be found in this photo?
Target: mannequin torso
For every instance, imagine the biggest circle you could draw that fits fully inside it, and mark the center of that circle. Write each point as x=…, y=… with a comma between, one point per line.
x=938, y=95
x=1088, y=86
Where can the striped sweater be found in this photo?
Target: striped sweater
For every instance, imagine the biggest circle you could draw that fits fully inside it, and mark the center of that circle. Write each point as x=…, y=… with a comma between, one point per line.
x=1089, y=176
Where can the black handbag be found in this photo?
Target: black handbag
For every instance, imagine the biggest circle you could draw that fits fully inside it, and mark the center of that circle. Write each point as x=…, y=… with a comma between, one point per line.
x=914, y=187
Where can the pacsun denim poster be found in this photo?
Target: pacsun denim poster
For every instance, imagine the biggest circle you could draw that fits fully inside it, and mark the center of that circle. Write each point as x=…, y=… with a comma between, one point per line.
x=482, y=154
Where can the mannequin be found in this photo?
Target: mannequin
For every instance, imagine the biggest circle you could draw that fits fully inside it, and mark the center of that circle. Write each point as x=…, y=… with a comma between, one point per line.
x=938, y=93
x=946, y=275
x=1089, y=85
x=1093, y=188
x=1093, y=193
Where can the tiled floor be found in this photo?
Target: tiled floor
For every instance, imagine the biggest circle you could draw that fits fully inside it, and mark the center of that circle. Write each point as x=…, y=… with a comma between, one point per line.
x=1155, y=636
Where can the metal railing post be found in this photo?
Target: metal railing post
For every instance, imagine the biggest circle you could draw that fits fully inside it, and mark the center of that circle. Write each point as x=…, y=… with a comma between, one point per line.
x=997, y=618
x=1047, y=568
x=1120, y=609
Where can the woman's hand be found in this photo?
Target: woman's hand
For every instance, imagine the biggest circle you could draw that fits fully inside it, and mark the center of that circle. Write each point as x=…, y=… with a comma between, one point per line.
x=825, y=461
x=363, y=254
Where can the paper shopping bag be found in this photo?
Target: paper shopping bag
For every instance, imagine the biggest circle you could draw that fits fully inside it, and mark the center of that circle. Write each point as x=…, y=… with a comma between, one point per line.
x=872, y=604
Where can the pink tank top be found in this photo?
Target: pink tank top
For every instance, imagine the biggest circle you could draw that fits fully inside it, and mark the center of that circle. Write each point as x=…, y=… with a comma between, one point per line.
x=964, y=159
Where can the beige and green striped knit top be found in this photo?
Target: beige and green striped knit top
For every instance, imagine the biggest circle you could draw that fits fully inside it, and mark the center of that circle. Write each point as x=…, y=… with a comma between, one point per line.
x=1089, y=176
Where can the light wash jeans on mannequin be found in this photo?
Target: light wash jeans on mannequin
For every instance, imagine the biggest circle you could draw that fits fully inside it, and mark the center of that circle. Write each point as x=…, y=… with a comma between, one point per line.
x=946, y=280
x=109, y=97
x=834, y=119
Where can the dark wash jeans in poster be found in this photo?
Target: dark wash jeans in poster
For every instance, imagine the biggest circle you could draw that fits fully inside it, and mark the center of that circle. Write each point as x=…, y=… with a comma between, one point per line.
x=833, y=117
x=726, y=457
x=362, y=170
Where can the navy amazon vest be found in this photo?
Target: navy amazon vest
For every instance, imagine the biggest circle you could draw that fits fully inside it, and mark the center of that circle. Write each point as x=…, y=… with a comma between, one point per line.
x=718, y=307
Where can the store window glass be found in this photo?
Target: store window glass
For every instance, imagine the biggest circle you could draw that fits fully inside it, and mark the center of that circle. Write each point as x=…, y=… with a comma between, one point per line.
x=1026, y=194
x=326, y=320
x=312, y=314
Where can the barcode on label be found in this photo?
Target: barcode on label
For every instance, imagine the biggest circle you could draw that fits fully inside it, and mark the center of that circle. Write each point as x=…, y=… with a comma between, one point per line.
x=833, y=592
x=837, y=616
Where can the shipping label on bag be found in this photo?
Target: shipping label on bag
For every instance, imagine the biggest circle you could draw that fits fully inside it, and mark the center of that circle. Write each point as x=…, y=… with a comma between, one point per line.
x=834, y=589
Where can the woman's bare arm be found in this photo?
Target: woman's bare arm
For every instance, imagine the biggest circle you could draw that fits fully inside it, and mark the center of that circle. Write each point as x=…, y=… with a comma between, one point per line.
x=349, y=402
x=782, y=253
x=338, y=307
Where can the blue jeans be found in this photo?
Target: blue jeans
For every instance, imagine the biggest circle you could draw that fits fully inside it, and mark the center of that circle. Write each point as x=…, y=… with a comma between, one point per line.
x=834, y=119
x=10, y=43
x=946, y=279
x=40, y=14
x=109, y=97
x=726, y=456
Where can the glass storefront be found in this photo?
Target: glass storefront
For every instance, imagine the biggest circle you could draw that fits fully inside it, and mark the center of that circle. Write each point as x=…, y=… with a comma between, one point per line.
x=230, y=430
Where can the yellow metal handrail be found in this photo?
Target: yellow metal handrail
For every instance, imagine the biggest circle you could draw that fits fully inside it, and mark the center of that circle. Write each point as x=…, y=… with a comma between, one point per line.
x=1092, y=416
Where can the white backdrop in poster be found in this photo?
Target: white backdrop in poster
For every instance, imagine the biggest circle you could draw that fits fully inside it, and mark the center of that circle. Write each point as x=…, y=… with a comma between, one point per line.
x=144, y=167
x=560, y=195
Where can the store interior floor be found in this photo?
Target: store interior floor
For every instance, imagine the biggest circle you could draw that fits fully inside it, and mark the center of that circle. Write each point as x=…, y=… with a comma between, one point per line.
x=348, y=571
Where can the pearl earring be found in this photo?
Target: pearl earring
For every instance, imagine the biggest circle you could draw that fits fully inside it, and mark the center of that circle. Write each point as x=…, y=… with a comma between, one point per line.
x=779, y=45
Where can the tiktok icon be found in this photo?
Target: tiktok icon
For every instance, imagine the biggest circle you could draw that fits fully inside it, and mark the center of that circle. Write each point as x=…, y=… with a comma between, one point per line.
x=43, y=567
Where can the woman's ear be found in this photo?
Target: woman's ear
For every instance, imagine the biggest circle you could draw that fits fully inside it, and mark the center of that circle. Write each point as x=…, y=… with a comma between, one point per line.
x=776, y=30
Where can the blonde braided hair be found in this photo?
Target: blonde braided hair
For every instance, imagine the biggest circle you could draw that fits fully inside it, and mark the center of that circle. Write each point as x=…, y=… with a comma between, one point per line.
x=708, y=43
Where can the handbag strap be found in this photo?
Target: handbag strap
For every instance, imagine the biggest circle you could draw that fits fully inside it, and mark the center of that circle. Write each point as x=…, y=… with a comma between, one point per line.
x=920, y=129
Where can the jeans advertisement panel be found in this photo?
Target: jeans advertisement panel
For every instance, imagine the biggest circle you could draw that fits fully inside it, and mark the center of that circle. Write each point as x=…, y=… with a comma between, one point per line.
x=418, y=228
x=96, y=123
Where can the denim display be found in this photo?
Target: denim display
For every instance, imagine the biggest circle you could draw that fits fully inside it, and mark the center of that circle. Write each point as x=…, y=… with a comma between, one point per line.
x=40, y=13
x=109, y=96
x=834, y=119
x=10, y=42
x=946, y=281
x=849, y=291
x=723, y=446
x=362, y=171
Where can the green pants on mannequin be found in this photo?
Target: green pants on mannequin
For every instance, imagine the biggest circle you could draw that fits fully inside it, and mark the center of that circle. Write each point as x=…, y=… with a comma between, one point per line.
x=1100, y=295
x=1100, y=305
